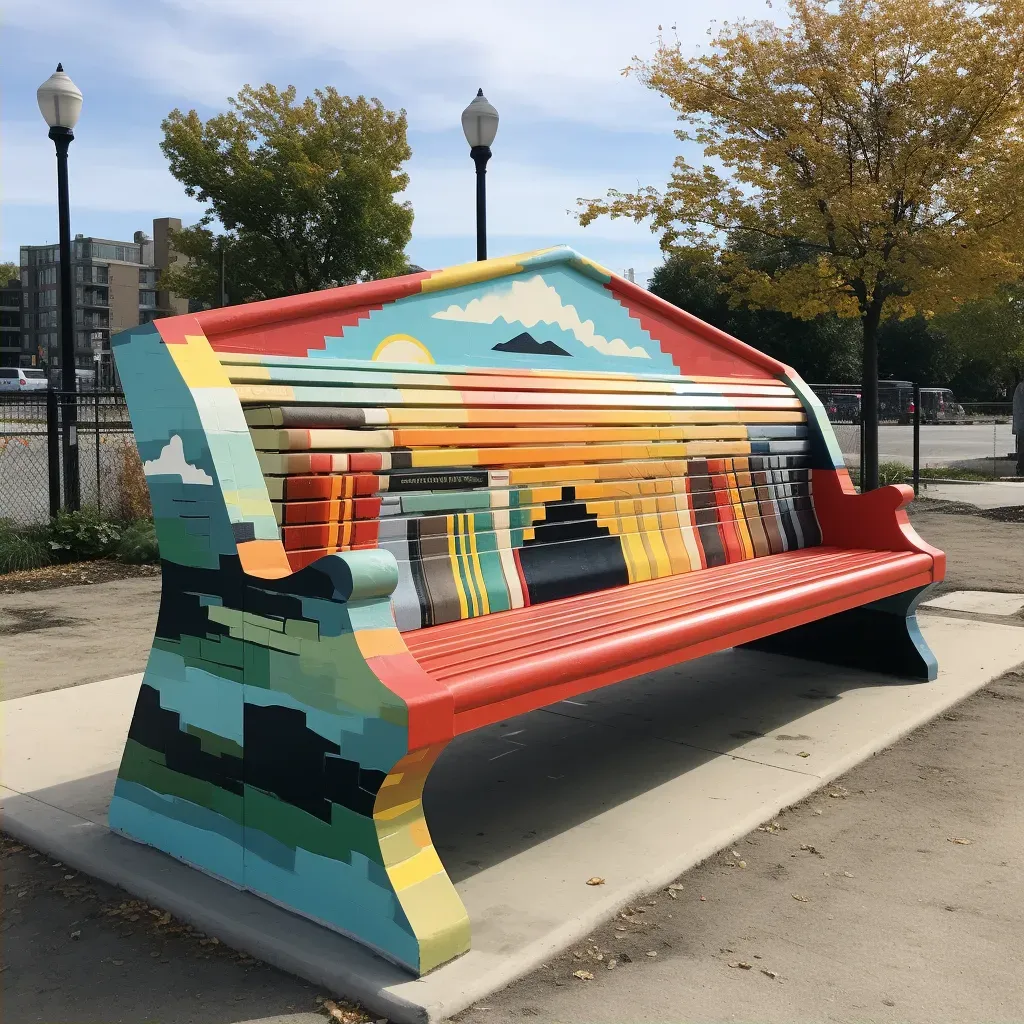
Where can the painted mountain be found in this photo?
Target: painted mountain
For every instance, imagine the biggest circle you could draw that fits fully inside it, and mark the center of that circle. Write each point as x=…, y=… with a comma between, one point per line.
x=528, y=345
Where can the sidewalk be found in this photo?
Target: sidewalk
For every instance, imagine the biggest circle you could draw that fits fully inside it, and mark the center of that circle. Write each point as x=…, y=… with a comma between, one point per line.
x=981, y=494
x=687, y=760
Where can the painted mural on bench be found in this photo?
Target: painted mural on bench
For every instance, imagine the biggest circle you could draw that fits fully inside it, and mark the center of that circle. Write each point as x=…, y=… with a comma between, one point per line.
x=328, y=471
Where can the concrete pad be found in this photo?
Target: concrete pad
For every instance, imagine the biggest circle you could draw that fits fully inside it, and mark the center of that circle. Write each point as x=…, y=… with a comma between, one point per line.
x=981, y=602
x=994, y=494
x=635, y=783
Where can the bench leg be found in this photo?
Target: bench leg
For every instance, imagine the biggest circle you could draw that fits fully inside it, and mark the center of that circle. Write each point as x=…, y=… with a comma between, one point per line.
x=436, y=916
x=881, y=637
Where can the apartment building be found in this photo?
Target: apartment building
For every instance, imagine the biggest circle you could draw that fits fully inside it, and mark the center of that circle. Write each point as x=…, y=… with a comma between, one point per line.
x=10, y=323
x=116, y=287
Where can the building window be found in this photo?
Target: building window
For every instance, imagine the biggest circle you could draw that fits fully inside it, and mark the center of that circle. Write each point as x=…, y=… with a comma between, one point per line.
x=79, y=316
x=24, y=279
x=24, y=257
x=147, y=298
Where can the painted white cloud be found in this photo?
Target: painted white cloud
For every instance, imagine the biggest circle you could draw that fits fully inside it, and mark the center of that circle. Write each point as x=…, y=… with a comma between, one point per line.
x=533, y=302
x=171, y=462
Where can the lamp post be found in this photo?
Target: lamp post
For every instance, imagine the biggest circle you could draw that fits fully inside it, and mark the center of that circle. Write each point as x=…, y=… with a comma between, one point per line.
x=480, y=124
x=60, y=103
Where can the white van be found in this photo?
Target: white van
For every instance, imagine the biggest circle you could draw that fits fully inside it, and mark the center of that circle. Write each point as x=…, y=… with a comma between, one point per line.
x=22, y=379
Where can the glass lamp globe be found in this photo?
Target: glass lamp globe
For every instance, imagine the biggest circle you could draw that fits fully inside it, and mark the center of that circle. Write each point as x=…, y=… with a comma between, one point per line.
x=60, y=100
x=480, y=121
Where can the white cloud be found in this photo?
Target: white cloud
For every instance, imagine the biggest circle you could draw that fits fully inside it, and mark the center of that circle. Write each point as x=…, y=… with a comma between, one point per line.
x=535, y=59
x=531, y=302
x=171, y=462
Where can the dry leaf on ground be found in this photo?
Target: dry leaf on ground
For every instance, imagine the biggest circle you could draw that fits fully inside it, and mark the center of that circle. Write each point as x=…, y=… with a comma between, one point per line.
x=583, y=975
x=595, y=881
x=960, y=841
x=768, y=974
x=741, y=964
x=800, y=899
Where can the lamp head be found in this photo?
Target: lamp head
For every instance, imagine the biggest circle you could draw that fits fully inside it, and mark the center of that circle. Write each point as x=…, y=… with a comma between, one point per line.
x=60, y=100
x=480, y=121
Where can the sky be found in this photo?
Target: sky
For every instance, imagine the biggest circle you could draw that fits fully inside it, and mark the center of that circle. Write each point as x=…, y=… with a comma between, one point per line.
x=571, y=125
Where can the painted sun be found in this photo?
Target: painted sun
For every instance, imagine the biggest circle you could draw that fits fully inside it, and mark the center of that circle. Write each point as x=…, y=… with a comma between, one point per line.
x=402, y=348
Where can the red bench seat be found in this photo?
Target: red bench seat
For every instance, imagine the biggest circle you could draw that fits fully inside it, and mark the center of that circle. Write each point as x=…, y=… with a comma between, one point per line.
x=511, y=662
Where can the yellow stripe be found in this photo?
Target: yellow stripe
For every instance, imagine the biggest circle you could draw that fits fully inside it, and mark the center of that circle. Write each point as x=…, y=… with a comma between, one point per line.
x=453, y=558
x=662, y=561
x=741, y=518
x=465, y=565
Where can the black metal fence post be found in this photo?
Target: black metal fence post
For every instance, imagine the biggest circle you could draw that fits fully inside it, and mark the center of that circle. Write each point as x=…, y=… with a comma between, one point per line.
x=53, y=449
x=96, y=441
x=917, y=439
x=860, y=453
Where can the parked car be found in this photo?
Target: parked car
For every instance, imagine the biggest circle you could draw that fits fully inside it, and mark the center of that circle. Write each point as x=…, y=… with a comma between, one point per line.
x=939, y=404
x=22, y=379
x=844, y=408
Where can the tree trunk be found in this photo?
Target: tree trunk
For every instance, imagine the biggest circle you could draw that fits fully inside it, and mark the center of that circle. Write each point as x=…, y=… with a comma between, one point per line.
x=869, y=397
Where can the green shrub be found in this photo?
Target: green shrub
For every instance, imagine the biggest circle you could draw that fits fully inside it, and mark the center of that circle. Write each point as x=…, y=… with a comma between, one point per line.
x=76, y=536
x=894, y=473
x=23, y=547
x=138, y=543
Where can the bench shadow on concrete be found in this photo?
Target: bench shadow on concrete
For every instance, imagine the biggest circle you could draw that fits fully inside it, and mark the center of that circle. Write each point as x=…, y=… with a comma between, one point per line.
x=503, y=789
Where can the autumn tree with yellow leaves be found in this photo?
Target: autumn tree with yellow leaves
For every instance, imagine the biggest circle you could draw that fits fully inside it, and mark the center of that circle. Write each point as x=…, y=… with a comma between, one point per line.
x=875, y=147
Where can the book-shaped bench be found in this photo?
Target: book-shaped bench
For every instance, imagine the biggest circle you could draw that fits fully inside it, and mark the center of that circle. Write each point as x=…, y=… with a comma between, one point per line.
x=395, y=512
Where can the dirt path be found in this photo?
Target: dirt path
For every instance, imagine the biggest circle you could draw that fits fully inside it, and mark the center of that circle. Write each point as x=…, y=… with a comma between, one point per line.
x=981, y=553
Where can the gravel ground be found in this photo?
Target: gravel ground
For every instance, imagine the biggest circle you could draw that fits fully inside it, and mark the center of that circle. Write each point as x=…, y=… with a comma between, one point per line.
x=78, y=950
x=74, y=574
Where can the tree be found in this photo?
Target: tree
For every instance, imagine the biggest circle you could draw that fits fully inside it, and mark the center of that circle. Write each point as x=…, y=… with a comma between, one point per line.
x=306, y=193
x=824, y=349
x=990, y=332
x=880, y=141
x=9, y=272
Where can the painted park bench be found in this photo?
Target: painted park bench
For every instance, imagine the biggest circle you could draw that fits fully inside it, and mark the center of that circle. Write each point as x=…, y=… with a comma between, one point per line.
x=395, y=512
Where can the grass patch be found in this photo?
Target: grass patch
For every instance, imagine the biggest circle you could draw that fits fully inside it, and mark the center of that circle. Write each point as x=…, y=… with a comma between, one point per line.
x=899, y=473
x=951, y=473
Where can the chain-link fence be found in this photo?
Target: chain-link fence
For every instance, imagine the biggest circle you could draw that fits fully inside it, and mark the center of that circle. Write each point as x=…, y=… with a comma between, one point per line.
x=969, y=440
x=31, y=461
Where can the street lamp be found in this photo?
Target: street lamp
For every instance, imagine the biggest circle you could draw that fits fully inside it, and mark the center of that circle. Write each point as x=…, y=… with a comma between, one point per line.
x=480, y=123
x=60, y=103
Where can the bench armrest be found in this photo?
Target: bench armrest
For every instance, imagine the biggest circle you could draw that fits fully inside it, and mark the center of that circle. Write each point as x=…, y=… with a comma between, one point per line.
x=362, y=581
x=342, y=576
x=875, y=520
